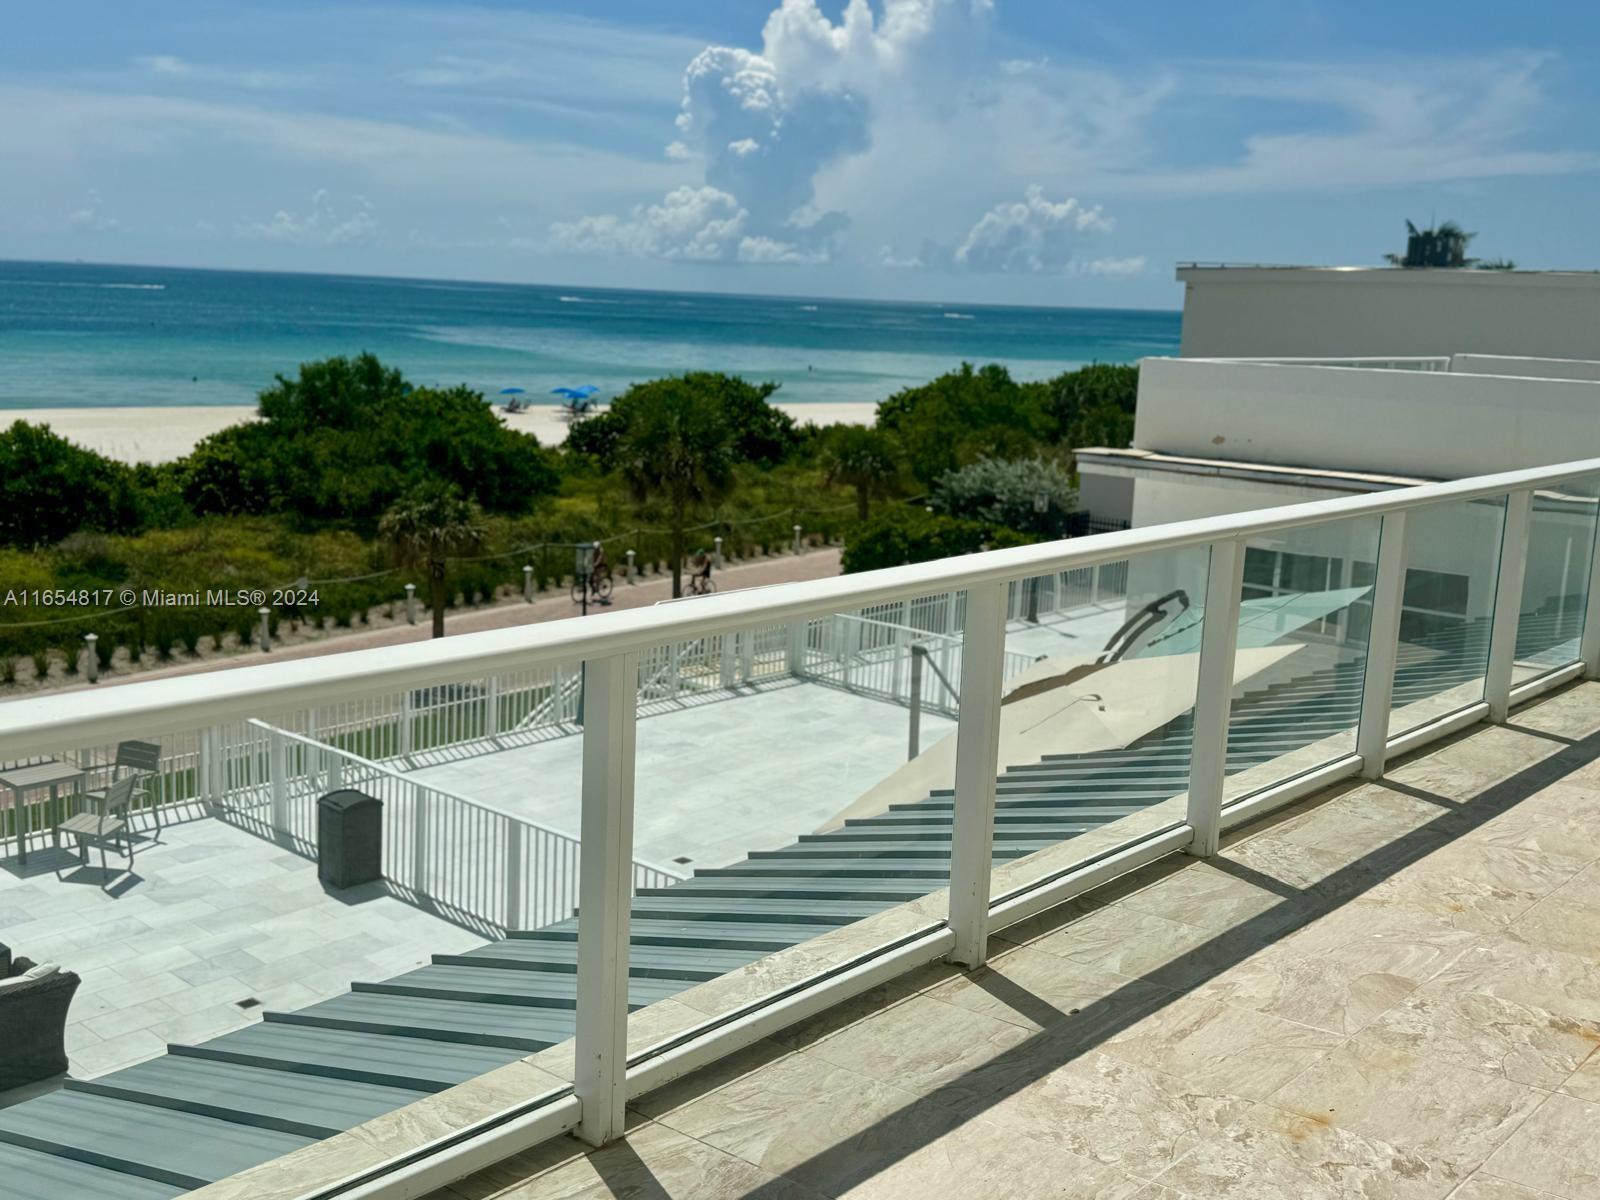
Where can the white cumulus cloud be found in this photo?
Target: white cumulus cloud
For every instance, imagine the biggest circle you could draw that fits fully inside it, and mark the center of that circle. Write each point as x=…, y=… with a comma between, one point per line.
x=1033, y=235
x=322, y=224
x=767, y=124
x=92, y=216
x=1116, y=268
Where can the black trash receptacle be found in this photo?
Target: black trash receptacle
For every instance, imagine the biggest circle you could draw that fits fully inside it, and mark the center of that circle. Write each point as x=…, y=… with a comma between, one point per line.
x=349, y=838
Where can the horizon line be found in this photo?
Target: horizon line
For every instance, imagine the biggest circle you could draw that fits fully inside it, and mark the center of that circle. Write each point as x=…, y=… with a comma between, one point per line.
x=748, y=295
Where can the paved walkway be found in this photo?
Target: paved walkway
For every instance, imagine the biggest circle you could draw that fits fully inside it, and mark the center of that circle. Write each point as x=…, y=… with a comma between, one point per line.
x=211, y=916
x=705, y=773
x=1390, y=991
x=817, y=563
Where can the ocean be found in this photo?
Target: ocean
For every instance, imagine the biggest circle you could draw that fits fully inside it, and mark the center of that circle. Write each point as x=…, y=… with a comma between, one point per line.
x=82, y=335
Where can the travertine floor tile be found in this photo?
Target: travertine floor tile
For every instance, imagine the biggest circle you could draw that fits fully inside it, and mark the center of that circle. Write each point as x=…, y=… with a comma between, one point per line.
x=1043, y=991
x=921, y=1044
x=651, y=1161
x=1555, y=1149
x=1486, y=1187
x=1485, y=1033
x=1216, y=1046
x=1584, y=1083
x=1125, y=1116
x=1276, y=1155
x=1443, y=1113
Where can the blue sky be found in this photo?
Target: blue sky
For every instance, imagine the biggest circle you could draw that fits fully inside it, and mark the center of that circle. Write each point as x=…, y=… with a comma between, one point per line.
x=981, y=150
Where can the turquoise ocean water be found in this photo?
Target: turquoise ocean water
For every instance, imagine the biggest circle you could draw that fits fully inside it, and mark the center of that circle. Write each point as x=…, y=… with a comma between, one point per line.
x=83, y=335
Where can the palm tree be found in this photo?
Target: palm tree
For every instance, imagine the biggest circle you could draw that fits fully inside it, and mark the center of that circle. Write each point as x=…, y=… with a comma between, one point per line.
x=678, y=447
x=428, y=526
x=861, y=457
x=1443, y=246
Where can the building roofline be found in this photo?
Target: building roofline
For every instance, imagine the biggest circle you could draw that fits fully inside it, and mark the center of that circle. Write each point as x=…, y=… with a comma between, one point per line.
x=1406, y=276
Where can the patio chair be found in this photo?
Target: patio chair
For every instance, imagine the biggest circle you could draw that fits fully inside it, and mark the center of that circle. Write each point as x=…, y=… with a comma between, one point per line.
x=33, y=1020
x=136, y=759
x=108, y=820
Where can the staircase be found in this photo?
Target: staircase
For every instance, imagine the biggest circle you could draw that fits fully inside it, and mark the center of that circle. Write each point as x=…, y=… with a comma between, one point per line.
x=201, y=1113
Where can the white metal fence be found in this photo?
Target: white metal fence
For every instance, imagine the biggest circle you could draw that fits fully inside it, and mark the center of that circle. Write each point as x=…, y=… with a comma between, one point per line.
x=474, y=863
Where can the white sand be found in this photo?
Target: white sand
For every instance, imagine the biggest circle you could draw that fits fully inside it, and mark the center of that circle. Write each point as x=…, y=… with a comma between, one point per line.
x=163, y=434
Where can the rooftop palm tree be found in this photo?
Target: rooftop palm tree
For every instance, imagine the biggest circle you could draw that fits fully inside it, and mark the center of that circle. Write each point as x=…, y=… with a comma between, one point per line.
x=676, y=447
x=863, y=458
x=1443, y=246
x=427, y=527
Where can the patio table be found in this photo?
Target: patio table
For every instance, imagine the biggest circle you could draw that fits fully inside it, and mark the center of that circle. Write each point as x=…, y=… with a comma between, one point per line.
x=51, y=774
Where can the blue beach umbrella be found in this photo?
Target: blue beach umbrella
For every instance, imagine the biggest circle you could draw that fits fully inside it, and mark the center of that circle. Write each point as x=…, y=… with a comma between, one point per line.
x=511, y=391
x=577, y=398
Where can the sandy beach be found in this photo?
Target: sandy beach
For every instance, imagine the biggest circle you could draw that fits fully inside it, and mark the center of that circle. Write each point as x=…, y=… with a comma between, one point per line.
x=163, y=434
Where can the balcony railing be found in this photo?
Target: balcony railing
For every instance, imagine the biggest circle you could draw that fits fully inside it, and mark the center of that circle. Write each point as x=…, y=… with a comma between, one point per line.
x=1385, y=621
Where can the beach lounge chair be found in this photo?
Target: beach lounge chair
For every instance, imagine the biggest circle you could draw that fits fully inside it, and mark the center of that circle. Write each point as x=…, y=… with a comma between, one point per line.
x=109, y=819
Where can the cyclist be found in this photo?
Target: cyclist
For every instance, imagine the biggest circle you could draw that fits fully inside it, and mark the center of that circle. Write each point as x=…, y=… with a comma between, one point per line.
x=700, y=577
x=600, y=575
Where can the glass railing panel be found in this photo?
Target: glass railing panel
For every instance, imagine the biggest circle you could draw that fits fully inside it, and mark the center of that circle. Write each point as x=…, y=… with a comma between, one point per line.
x=792, y=796
x=1305, y=608
x=1447, y=607
x=1555, y=587
x=1097, y=723
x=293, y=891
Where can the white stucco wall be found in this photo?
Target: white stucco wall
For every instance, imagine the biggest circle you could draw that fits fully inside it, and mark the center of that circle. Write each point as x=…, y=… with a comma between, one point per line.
x=1345, y=312
x=1434, y=425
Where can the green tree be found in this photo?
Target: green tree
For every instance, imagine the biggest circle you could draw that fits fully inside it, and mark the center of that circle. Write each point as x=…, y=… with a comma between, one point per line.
x=50, y=488
x=1029, y=495
x=429, y=525
x=346, y=438
x=759, y=431
x=965, y=415
x=678, y=448
x=861, y=458
x=907, y=535
x=1094, y=405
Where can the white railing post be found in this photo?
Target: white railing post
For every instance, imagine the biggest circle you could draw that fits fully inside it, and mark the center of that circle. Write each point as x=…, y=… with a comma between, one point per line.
x=1219, y=638
x=513, y=913
x=527, y=583
x=206, y=768
x=335, y=771
x=914, y=747
x=797, y=647
x=747, y=654
x=278, y=776
x=91, y=667
x=264, y=635
x=491, y=707
x=1589, y=641
x=419, y=839
x=977, y=764
x=1383, y=646
x=728, y=667
x=676, y=670
x=632, y=575
x=797, y=539
x=403, y=730
x=1507, y=605
x=716, y=552
x=605, y=884
x=411, y=604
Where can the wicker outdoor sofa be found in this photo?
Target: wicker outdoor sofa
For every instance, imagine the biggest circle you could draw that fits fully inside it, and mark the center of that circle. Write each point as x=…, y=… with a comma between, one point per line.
x=33, y=1020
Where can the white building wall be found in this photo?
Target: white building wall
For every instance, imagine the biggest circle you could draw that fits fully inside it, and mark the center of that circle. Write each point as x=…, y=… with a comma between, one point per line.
x=1437, y=425
x=1525, y=368
x=1361, y=311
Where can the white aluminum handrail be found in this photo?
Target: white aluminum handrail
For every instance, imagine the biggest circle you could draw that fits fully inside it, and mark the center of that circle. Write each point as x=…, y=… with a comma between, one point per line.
x=386, y=770
x=606, y=1076
x=66, y=719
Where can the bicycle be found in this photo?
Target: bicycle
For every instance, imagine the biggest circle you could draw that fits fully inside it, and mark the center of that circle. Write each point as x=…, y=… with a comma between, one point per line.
x=599, y=588
x=701, y=585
